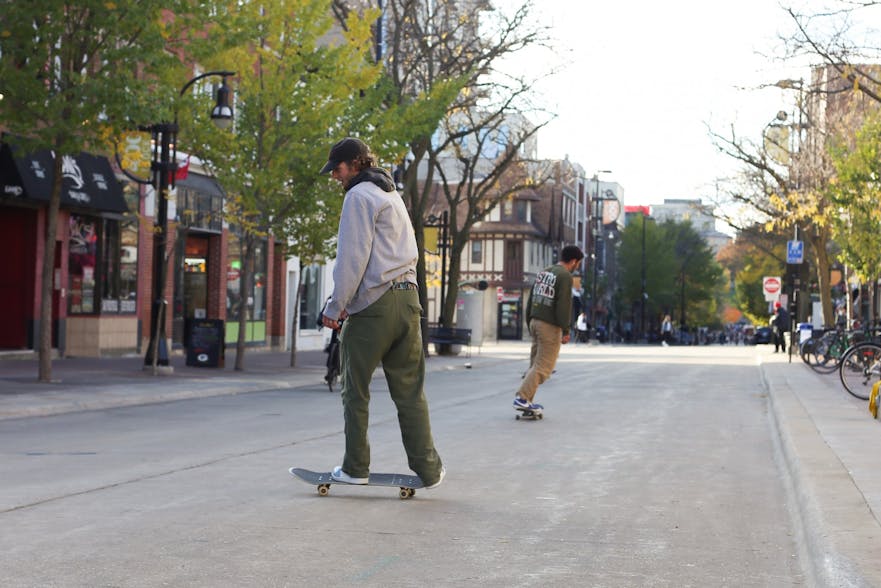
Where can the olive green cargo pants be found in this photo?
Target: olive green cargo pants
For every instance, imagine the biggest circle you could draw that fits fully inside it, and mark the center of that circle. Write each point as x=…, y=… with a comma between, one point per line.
x=387, y=332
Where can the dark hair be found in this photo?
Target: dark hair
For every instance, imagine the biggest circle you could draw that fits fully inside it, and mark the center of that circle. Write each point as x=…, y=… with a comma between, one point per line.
x=363, y=162
x=571, y=252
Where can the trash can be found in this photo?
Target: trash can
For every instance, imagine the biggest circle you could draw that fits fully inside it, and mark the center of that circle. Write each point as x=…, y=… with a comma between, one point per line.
x=206, y=348
x=805, y=332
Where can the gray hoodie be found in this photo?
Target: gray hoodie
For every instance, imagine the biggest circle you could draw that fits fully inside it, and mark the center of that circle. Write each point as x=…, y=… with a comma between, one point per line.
x=376, y=244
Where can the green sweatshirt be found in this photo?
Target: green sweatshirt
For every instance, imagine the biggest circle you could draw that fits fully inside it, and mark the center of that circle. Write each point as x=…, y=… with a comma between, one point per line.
x=551, y=297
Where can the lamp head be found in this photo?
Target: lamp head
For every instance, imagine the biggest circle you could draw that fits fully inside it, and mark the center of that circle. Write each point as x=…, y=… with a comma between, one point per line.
x=222, y=114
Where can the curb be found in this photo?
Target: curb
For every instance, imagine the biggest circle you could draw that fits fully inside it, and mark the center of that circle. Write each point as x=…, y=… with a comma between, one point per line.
x=820, y=489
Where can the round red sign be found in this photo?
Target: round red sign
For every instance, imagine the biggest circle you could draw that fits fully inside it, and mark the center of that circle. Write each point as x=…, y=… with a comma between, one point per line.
x=772, y=285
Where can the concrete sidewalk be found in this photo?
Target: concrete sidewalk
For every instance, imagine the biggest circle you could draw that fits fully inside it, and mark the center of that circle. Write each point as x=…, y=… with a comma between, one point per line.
x=92, y=384
x=829, y=445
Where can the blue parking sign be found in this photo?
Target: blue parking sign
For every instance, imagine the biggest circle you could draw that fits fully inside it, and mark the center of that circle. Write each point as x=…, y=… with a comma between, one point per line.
x=795, y=251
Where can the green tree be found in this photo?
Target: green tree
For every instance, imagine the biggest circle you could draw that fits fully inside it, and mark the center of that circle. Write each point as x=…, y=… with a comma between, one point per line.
x=645, y=253
x=857, y=192
x=302, y=84
x=69, y=71
x=295, y=90
x=682, y=277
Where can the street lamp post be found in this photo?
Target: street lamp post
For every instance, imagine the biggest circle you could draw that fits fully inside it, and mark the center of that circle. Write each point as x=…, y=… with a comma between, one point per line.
x=595, y=228
x=441, y=222
x=643, y=294
x=163, y=167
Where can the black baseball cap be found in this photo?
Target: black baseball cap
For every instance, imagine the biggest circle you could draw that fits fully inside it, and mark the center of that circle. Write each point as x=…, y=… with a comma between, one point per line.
x=347, y=149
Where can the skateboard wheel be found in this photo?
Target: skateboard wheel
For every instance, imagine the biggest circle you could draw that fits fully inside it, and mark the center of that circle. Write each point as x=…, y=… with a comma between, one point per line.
x=324, y=489
x=406, y=493
x=517, y=416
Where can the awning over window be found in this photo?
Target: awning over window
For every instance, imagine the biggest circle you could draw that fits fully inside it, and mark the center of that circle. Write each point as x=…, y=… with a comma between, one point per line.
x=88, y=182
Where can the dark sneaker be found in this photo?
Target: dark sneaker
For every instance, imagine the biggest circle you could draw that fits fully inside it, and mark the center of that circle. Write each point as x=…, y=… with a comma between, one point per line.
x=340, y=476
x=439, y=480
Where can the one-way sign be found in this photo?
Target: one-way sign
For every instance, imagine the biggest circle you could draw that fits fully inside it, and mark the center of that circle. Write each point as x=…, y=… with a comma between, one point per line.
x=795, y=251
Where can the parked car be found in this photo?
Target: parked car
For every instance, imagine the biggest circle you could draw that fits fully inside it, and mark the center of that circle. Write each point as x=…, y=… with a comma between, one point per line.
x=763, y=336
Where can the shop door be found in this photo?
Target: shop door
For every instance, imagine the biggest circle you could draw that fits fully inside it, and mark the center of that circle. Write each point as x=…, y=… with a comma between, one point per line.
x=510, y=322
x=195, y=282
x=17, y=234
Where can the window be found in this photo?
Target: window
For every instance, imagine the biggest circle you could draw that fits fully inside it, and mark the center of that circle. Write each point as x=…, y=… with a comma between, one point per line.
x=520, y=210
x=477, y=252
x=81, y=264
x=311, y=302
x=255, y=301
x=119, y=284
x=102, y=265
x=198, y=209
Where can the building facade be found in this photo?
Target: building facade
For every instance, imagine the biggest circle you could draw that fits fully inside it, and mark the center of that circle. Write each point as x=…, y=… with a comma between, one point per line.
x=103, y=277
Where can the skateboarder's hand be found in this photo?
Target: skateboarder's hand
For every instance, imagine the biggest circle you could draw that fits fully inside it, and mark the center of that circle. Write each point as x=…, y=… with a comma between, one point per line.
x=565, y=339
x=334, y=324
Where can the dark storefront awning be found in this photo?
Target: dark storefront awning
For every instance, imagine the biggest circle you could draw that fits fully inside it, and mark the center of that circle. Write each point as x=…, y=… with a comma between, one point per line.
x=89, y=181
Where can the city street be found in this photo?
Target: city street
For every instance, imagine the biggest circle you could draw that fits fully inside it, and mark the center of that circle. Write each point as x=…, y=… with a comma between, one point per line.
x=652, y=467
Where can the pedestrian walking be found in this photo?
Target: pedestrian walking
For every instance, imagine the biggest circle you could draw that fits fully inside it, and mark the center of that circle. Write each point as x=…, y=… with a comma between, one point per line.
x=582, y=328
x=548, y=312
x=666, y=330
x=780, y=326
x=375, y=292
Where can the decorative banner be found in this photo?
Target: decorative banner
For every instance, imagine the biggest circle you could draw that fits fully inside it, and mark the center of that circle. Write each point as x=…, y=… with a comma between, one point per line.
x=134, y=152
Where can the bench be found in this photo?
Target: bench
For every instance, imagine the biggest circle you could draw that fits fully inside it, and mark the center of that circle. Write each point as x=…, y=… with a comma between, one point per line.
x=450, y=336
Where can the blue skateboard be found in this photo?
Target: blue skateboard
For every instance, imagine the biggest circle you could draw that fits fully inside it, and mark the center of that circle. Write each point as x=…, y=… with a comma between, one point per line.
x=406, y=483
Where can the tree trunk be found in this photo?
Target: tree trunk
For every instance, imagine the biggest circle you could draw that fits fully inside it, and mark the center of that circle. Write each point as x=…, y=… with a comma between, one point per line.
x=247, y=251
x=48, y=274
x=295, y=319
x=821, y=257
x=453, y=276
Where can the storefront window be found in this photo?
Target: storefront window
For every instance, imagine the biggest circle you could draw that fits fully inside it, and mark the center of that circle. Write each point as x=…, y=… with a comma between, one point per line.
x=103, y=263
x=119, y=284
x=256, y=299
x=82, y=261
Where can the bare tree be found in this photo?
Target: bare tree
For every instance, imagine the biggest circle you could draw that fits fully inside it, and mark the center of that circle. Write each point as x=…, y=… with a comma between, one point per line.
x=435, y=47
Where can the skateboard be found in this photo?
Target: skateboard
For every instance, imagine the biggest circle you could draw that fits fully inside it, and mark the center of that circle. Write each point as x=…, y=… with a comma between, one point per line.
x=528, y=414
x=406, y=483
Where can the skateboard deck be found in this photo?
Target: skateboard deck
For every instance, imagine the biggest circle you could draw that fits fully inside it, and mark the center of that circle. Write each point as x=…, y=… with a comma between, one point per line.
x=528, y=414
x=407, y=483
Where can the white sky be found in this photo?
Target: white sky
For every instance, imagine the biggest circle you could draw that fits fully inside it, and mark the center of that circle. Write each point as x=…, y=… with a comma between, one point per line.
x=647, y=77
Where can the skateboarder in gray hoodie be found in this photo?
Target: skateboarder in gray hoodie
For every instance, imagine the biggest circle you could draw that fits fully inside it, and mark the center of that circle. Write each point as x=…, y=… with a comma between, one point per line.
x=375, y=293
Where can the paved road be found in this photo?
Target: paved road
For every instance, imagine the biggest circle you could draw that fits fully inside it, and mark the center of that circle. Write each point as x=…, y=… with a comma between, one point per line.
x=653, y=467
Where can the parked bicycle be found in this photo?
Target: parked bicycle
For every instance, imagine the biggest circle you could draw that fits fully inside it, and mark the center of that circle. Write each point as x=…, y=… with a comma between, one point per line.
x=824, y=353
x=860, y=368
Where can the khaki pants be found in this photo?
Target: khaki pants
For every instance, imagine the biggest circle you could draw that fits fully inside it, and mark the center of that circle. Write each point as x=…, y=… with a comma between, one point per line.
x=387, y=332
x=546, y=341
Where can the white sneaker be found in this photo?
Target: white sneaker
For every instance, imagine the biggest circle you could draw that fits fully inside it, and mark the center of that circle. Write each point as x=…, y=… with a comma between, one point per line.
x=439, y=480
x=340, y=476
